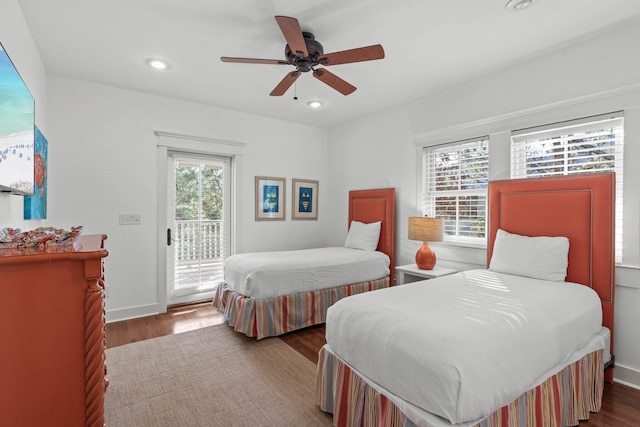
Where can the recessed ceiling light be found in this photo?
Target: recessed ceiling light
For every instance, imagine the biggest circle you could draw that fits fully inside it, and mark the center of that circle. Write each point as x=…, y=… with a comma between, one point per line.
x=315, y=104
x=517, y=5
x=157, y=64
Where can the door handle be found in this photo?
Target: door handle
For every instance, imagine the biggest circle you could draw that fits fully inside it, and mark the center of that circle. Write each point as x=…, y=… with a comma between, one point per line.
x=168, y=237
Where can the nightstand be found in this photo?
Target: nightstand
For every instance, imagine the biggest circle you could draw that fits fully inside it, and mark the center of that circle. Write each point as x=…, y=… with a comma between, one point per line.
x=411, y=273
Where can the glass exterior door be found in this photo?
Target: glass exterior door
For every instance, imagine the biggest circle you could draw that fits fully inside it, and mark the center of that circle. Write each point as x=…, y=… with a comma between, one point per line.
x=198, y=237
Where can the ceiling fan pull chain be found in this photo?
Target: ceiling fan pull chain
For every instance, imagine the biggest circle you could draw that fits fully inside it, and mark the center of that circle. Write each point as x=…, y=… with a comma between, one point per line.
x=295, y=91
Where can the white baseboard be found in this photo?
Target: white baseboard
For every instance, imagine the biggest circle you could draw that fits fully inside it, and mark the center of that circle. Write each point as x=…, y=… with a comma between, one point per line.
x=627, y=376
x=132, y=312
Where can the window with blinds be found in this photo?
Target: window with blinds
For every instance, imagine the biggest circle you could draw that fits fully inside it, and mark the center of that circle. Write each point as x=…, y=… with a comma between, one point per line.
x=591, y=144
x=455, y=178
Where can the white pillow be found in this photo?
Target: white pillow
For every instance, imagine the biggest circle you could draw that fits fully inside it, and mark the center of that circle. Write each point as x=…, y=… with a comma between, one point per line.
x=363, y=236
x=539, y=257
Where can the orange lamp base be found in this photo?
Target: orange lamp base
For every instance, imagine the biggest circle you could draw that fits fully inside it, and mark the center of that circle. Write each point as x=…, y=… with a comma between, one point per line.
x=425, y=257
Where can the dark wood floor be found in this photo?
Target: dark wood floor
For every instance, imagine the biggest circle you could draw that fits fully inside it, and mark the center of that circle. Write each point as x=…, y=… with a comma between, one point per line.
x=181, y=318
x=620, y=404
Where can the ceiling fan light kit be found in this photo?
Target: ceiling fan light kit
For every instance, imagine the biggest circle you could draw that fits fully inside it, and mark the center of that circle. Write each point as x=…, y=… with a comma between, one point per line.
x=305, y=53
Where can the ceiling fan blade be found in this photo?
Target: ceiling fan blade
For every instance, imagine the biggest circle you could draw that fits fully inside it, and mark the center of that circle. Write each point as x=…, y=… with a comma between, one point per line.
x=292, y=33
x=253, y=60
x=360, y=54
x=334, y=81
x=285, y=83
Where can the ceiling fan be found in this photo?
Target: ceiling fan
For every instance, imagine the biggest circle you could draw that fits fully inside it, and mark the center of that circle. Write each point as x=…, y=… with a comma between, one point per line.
x=305, y=53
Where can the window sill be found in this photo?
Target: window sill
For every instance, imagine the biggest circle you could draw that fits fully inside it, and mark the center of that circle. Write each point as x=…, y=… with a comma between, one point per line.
x=459, y=244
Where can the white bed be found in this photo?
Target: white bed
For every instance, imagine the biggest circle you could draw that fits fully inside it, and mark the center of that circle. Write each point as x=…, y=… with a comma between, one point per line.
x=525, y=343
x=442, y=346
x=277, y=273
x=271, y=293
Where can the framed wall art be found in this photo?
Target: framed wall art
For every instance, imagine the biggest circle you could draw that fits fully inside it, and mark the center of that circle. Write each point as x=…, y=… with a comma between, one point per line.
x=35, y=207
x=305, y=199
x=270, y=198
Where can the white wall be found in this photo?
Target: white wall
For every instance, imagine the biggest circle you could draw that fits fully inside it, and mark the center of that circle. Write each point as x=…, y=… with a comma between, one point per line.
x=18, y=43
x=375, y=152
x=383, y=149
x=103, y=162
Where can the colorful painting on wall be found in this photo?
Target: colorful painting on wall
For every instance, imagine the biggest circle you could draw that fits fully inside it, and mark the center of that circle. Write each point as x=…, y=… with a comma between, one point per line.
x=305, y=199
x=35, y=207
x=270, y=198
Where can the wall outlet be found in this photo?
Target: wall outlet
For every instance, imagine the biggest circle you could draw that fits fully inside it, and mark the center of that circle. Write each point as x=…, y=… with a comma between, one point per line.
x=129, y=219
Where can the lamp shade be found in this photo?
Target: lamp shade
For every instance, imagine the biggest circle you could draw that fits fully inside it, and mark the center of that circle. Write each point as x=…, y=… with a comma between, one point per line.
x=426, y=229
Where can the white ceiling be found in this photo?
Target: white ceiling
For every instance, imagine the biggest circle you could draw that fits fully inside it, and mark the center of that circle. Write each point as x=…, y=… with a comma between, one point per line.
x=429, y=45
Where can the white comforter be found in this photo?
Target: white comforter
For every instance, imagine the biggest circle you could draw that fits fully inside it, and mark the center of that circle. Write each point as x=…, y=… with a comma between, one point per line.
x=464, y=345
x=272, y=274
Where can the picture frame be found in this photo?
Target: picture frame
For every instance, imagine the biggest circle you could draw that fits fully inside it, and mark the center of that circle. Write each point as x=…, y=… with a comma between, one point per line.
x=270, y=198
x=304, y=199
x=35, y=207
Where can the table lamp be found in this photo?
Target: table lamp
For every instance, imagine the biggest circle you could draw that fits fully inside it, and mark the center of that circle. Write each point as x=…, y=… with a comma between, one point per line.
x=426, y=229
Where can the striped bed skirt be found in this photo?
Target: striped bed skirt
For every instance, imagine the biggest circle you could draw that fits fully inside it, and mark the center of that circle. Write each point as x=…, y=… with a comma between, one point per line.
x=262, y=318
x=562, y=400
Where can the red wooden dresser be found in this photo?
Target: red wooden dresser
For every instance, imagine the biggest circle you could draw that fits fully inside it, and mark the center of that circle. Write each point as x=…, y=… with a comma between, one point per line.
x=52, y=344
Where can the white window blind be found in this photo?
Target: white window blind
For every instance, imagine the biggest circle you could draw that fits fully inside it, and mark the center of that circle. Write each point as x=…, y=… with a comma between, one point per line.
x=591, y=144
x=455, y=178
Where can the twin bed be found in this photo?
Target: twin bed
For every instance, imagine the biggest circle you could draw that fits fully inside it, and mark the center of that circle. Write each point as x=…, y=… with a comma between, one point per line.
x=272, y=293
x=513, y=345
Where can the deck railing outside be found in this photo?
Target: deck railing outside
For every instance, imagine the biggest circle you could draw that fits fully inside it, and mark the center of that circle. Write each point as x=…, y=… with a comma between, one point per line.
x=198, y=240
x=199, y=254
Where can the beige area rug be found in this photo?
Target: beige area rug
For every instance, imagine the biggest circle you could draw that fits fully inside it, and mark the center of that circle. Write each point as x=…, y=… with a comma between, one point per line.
x=210, y=377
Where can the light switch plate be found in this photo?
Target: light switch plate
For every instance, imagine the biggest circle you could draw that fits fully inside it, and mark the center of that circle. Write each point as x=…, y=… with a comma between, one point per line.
x=129, y=219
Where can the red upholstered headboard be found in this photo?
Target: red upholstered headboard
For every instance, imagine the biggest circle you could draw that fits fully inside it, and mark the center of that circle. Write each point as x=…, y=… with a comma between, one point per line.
x=377, y=205
x=580, y=207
